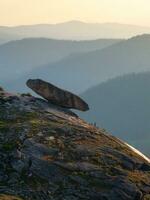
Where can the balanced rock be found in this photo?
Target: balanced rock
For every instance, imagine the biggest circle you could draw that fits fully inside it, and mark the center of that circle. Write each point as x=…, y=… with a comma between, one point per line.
x=56, y=95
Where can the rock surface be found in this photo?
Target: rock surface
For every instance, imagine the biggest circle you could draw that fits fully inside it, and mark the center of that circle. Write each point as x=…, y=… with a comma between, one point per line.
x=48, y=153
x=56, y=95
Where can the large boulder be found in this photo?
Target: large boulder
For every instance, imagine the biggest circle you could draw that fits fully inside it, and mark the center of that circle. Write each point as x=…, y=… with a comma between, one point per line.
x=56, y=95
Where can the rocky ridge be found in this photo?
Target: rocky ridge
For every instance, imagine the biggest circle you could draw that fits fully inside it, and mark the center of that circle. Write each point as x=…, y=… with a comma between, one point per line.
x=49, y=153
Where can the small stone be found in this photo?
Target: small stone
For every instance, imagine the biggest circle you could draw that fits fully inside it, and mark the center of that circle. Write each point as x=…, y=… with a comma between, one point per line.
x=40, y=134
x=50, y=138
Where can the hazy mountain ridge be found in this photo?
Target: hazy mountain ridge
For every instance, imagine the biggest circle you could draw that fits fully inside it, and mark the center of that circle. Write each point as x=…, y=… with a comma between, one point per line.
x=75, y=30
x=82, y=71
x=20, y=56
x=128, y=98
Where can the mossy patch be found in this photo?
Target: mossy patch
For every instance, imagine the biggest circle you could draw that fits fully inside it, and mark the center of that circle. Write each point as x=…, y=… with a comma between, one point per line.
x=3, y=124
x=9, y=146
x=9, y=197
x=35, y=182
x=146, y=197
x=138, y=176
x=95, y=183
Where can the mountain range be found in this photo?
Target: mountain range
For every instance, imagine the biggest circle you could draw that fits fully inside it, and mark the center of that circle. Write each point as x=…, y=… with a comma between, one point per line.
x=17, y=57
x=72, y=30
x=83, y=70
x=122, y=106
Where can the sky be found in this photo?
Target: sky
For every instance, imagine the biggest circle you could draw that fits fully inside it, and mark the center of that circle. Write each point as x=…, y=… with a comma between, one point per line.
x=22, y=12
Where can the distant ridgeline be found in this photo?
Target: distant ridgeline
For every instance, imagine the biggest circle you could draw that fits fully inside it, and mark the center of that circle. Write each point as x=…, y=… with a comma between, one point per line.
x=81, y=71
x=28, y=54
x=72, y=30
x=122, y=106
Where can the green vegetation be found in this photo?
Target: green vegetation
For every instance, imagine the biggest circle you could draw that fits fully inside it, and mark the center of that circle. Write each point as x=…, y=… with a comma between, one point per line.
x=9, y=197
x=3, y=124
x=9, y=146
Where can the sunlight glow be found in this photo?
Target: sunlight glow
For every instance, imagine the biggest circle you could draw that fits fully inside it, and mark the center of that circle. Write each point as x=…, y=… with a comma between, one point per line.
x=16, y=12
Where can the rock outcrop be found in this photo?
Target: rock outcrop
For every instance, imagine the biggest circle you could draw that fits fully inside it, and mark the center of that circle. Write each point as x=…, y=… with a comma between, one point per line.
x=56, y=95
x=47, y=153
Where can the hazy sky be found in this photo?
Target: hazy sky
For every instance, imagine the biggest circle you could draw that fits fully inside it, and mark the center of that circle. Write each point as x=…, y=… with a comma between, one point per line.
x=16, y=12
